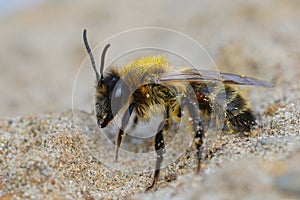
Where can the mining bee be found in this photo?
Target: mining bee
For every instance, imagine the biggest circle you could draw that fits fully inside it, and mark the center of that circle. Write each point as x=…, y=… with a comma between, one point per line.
x=151, y=81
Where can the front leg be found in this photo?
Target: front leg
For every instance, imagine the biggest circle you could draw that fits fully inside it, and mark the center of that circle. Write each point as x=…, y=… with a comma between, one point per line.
x=121, y=134
x=135, y=121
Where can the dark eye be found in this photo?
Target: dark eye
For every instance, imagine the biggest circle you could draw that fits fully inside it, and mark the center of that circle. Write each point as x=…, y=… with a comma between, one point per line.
x=119, y=97
x=117, y=91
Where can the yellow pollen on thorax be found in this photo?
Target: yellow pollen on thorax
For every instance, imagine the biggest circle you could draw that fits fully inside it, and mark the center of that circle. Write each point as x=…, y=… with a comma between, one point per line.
x=148, y=61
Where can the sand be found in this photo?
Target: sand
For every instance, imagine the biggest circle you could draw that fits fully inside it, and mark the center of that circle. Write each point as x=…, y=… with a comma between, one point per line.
x=45, y=154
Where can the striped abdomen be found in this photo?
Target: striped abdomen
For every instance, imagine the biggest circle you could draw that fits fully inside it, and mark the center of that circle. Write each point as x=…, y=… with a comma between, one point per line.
x=224, y=104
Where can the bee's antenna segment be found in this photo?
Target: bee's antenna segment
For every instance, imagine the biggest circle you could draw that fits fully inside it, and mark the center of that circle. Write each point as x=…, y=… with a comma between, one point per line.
x=103, y=59
x=88, y=49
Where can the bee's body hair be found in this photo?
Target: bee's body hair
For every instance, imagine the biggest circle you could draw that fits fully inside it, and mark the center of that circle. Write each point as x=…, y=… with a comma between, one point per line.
x=237, y=115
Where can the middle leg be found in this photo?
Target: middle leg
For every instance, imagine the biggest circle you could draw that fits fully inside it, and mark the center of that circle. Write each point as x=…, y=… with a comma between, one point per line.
x=160, y=147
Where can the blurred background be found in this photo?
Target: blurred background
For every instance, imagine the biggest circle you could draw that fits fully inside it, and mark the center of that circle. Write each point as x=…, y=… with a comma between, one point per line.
x=41, y=42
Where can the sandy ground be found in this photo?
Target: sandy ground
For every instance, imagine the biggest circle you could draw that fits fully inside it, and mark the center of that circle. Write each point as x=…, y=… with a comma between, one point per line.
x=45, y=155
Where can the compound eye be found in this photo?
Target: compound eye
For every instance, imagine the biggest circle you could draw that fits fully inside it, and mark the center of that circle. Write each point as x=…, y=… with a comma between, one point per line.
x=118, y=91
x=119, y=97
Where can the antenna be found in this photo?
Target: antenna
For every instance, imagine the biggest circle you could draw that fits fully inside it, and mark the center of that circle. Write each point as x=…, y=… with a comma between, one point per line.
x=103, y=59
x=88, y=49
x=91, y=55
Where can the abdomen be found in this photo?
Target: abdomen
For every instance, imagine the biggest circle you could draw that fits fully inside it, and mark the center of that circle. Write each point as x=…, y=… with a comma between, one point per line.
x=223, y=104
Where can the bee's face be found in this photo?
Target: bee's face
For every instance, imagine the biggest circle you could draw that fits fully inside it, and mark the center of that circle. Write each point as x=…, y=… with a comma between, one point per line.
x=103, y=108
x=105, y=95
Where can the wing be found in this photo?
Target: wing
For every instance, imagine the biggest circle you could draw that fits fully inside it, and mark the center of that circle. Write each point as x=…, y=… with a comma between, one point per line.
x=193, y=75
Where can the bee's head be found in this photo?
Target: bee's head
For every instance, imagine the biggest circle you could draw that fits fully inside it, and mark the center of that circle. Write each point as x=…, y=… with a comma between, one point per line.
x=103, y=99
x=108, y=89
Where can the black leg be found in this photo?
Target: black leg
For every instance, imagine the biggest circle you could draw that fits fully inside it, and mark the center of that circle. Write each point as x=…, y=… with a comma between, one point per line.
x=197, y=128
x=135, y=121
x=121, y=134
x=198, y=142
x=160, y=146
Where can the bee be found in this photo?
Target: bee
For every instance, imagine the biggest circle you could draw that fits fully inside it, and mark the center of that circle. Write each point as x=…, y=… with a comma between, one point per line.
x=152, y=81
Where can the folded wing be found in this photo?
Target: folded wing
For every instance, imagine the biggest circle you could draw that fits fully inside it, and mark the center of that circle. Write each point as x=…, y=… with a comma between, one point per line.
x=193, y=75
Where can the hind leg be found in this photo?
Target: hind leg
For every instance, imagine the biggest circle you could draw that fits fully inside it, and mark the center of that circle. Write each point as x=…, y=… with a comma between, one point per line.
x=198, y=130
